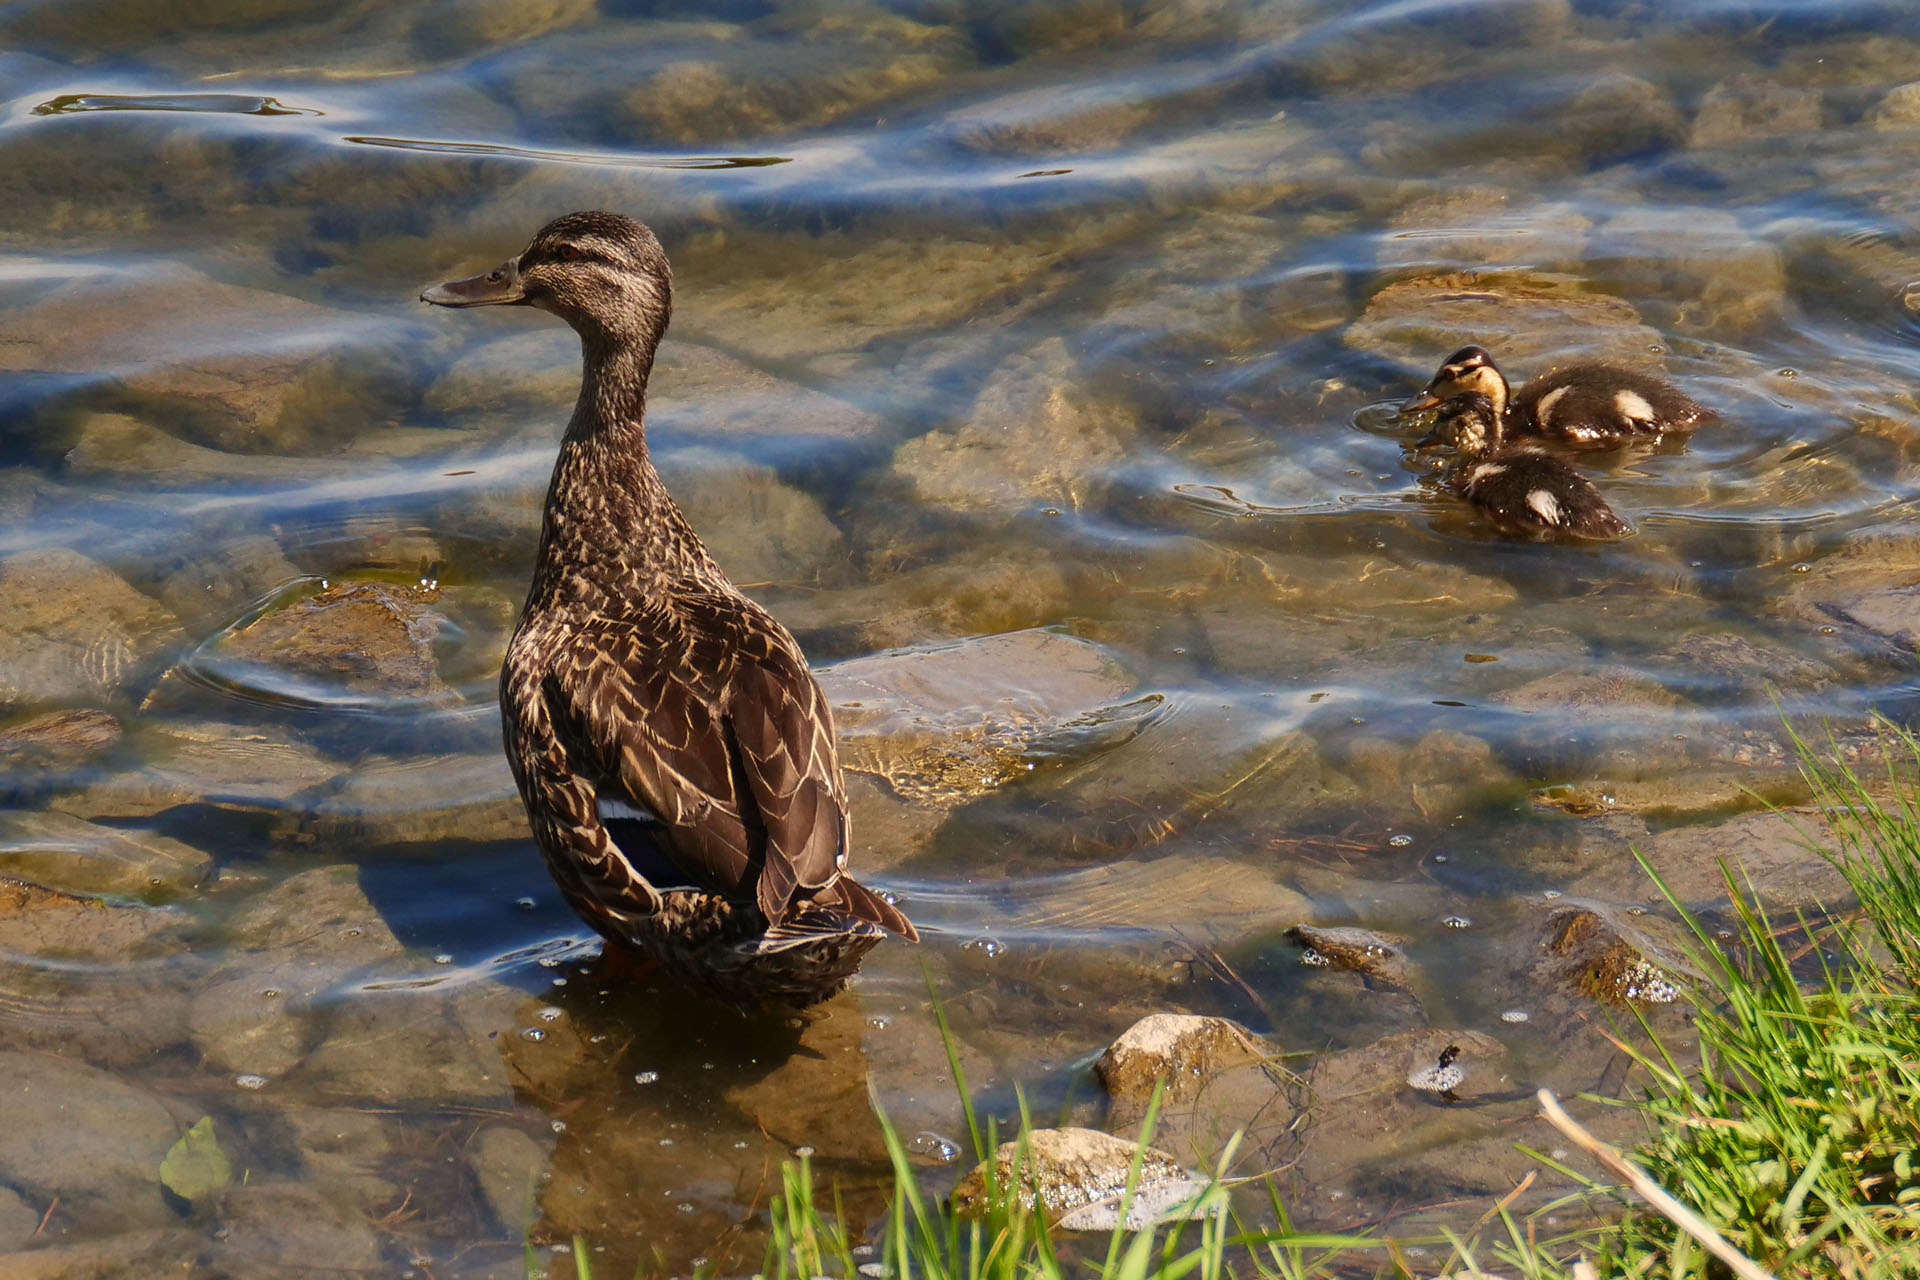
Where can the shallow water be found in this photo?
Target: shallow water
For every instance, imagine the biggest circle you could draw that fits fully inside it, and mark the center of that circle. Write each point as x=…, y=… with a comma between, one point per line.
x=990, y=317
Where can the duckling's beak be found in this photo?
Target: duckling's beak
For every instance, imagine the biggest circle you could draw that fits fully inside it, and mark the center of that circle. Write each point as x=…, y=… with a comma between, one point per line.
x=1422, y=402
x=498, y=287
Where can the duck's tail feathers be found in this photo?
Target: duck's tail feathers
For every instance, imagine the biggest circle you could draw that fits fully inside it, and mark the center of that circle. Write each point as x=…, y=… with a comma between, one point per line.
x=863, y=903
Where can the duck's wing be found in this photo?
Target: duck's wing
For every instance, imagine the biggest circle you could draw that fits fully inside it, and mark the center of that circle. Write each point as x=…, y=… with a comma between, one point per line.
x=718, y=751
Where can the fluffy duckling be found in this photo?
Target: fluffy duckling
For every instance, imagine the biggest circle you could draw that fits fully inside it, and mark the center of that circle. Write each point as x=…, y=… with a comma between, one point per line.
x=674, y=752
x=1589, y=404
x=1524, y=491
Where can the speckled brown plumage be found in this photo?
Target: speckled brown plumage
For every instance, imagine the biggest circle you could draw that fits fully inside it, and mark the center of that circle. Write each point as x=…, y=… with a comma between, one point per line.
x=674, y=752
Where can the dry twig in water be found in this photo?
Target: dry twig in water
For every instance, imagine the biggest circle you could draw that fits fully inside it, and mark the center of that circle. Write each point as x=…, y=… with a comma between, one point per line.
x=1650, y=1191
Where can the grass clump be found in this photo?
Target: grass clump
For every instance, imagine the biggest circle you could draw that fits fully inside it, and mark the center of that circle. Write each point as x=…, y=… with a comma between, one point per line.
x=1799, y=1134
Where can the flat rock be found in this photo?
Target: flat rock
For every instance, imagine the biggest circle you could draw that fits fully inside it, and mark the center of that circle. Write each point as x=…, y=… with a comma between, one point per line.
x=132, y=454
x=948, y=721
x=274, y=1228
x=1211, y=900
x=18, y=1221
x=320, y=915
x=1747, y=108
x=155, y=1251
x=80, y=978
x=255, y=370
x=1035, y=435
x=424, y=799
x=706, y=393
x=1713, y=272
x=1372, y=955
x=1767, y=852
x=356, y=639
x=229, y=766
x=85, y=1136
x=1898, y=109
x=259, y=1021
x=71, y=854
x=1468, y=227
x=72, y=629
x=1080, y=118
x=57, y=739
x=1527, y=321
x=1616, y=116
x=507, y=1164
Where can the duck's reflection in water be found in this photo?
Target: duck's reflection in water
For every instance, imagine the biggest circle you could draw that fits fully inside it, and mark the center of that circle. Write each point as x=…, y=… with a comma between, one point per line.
x=672, y=1115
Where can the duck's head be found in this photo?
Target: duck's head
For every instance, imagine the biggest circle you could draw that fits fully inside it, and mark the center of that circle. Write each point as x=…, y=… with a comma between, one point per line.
x=1468, y=423
x=1470, y=369
x=603, y=273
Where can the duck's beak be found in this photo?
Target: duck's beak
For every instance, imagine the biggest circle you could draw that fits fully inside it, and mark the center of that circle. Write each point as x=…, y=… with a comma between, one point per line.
x=498, y=287
x=1422, y=402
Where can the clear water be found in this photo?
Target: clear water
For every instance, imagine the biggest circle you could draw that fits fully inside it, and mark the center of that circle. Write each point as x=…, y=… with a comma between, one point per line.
x=988, y=316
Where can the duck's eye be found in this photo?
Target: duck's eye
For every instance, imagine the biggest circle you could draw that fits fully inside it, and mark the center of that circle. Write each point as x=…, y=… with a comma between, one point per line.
x=495, y=277
x=567, y=253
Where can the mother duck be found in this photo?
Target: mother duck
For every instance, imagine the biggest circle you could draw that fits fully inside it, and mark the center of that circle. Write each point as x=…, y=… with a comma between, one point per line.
x=674, y=753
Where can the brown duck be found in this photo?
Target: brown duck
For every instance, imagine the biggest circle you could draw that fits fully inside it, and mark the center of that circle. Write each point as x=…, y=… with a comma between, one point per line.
x=674, y=753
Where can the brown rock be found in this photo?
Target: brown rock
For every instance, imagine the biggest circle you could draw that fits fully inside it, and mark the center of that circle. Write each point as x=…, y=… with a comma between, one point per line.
x=255, y=370
x=1613, y=957
x=71, y=629
x=360, y=637
x=1527, y=321
x=57, y=738
x=1065, y=1169
x=68, y=853
x=1362, y=951
x=1181, y=1050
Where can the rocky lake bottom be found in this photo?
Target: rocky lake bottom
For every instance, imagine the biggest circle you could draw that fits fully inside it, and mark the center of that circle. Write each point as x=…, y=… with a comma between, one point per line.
x=1035, y=364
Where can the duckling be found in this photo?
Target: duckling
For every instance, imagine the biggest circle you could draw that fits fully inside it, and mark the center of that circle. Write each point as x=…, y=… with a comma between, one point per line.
x=1590, y=404
x=1524, y=491
x=674, y=753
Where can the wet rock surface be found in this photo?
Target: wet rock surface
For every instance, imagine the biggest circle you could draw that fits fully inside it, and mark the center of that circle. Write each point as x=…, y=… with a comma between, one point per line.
x=87, y=1137
x=71, y=629
x=70, y=854
x=1069, y=1170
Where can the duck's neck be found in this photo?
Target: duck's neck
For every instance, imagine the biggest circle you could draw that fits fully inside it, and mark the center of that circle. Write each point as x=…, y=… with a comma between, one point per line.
x=611, y=531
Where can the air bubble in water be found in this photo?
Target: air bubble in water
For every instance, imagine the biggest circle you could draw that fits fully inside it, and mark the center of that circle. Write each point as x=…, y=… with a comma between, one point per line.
x=525, y=904
x=1457, y=922
x=550, y=1014
x=1400, y=841
x=1514, y=1015
x=533, y=1033
x=248, y=1080
x=646, y=1077
x=988, y=947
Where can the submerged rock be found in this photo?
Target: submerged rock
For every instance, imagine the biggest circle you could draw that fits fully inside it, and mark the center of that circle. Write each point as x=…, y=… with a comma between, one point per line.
x=255, y=370
x=84, y=1136
x=72, y=629
x=57, y=739
x=507, y=1164
x=947, y=722
x=1746, y=108
x=1034, y=435
x=229, y=766
x=131, y=454
x=1064, y=1172
x=70, y=854
x=1526, y=320
x=360, y=638
x=277, y=1228
x=421, y=799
